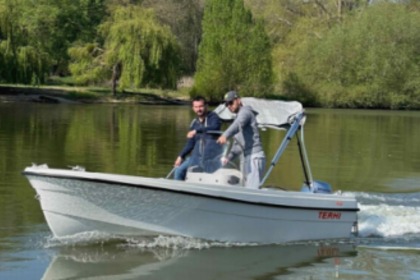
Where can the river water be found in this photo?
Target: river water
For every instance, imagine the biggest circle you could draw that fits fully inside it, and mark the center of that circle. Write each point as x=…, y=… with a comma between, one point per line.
x=374, y=155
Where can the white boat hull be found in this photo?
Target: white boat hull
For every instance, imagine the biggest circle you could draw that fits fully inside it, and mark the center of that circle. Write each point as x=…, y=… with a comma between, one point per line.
x=75, y=202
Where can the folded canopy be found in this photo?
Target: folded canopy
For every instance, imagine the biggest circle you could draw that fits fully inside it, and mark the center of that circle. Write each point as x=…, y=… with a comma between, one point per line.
x=269, y=112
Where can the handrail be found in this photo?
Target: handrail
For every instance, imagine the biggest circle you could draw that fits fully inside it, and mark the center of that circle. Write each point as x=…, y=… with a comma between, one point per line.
x=295, y=125
x=304, y=159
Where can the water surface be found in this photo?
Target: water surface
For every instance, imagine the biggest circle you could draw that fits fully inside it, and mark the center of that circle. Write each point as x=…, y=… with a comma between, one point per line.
x=374, y=155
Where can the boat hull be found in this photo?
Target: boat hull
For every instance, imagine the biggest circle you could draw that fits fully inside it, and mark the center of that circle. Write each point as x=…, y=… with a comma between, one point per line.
x=75, y=202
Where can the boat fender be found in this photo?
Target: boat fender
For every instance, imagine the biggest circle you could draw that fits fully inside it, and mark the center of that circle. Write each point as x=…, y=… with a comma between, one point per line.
x=317, y=187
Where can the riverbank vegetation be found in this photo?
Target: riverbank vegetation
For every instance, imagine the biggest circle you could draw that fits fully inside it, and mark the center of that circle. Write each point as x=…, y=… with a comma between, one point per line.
x=333, y=53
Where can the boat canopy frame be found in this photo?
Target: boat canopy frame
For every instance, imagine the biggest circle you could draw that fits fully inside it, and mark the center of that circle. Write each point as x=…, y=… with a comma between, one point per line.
x=296, y=124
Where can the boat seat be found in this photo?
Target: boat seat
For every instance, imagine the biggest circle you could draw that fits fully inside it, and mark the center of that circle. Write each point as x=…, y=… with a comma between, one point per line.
x=222, y=176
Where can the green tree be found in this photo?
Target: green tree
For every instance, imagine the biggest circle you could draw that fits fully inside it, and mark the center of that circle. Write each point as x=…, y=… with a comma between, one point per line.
x=35, y=35
x=290, y=24
x=137, y=51
x=75, y=21
x=372, y=60
x=234, y=52
x=184, y=18
x=21, y=60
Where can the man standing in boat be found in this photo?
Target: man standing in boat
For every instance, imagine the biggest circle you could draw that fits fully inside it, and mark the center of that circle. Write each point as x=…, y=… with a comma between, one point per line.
x=201, y=144
x=248, y=143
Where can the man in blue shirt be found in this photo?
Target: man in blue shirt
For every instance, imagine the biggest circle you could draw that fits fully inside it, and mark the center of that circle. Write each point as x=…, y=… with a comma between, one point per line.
x=201, y=144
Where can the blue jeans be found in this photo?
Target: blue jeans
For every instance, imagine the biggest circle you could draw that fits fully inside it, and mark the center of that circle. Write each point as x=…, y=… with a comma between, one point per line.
x=181, y=171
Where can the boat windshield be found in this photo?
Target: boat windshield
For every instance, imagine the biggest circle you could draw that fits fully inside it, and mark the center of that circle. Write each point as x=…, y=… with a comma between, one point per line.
x=207, y=155
x=207, y=167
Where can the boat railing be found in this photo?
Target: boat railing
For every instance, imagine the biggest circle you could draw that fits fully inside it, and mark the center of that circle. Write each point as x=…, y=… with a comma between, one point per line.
x=296, y=123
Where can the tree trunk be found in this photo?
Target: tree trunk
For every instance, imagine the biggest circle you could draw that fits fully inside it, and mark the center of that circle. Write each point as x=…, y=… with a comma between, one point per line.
x=115, y=76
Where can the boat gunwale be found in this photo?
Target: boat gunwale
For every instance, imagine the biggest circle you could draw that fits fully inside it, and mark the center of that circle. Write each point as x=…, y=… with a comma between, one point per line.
x=187, y=192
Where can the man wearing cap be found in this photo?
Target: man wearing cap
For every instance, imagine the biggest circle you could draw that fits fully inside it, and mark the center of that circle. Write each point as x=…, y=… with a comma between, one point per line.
x=248, y=143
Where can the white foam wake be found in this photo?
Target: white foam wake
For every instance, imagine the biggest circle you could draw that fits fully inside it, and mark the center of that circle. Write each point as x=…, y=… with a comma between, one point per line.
x=389, y=215
x=155, y=242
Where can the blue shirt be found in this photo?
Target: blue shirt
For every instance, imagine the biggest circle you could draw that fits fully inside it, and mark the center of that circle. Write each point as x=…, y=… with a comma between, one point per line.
x=203, y=146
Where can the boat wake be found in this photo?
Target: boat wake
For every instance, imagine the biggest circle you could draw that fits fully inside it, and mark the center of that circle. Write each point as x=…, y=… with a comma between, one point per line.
x=391, y=221
x=92, y=238
x=178, y=242
x=157, y=242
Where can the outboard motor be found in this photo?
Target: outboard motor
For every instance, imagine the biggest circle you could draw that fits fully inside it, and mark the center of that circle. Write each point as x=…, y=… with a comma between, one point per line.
x=318, y=187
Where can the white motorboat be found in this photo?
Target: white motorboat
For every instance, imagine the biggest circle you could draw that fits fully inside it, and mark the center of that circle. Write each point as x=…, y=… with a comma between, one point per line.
x=211, y=206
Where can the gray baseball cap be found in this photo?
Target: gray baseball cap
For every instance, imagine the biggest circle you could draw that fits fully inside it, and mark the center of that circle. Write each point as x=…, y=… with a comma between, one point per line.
x=230, y=96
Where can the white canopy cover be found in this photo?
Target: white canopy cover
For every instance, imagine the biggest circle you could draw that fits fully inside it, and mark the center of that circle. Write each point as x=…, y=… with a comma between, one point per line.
x=269, y=112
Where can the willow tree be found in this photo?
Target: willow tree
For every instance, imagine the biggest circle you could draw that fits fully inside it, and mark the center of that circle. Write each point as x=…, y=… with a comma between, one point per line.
x=184, y=18
x=21, y=60
x=137, y=51
x=234, y=53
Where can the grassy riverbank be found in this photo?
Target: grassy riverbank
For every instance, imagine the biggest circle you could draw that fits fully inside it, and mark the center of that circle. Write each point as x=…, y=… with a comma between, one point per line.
x=72, y=94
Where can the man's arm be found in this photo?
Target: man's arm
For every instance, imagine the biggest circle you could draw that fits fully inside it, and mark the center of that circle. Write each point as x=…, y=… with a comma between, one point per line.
x=189, y=146
x=213, y=123
x=242, y=119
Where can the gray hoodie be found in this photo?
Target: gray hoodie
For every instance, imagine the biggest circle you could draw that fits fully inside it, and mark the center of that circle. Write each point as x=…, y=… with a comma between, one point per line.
x=245, y=130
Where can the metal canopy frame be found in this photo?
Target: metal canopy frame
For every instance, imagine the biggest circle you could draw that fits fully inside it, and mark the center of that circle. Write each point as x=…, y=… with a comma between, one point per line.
x=296, y=124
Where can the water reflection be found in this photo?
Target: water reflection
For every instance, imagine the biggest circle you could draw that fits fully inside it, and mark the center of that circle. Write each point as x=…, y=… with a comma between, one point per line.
x=363, y=150
x=179, y=263
x=351, y=149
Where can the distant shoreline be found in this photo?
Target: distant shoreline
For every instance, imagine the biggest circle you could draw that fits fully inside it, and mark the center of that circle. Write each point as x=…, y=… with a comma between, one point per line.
x=70, y=95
